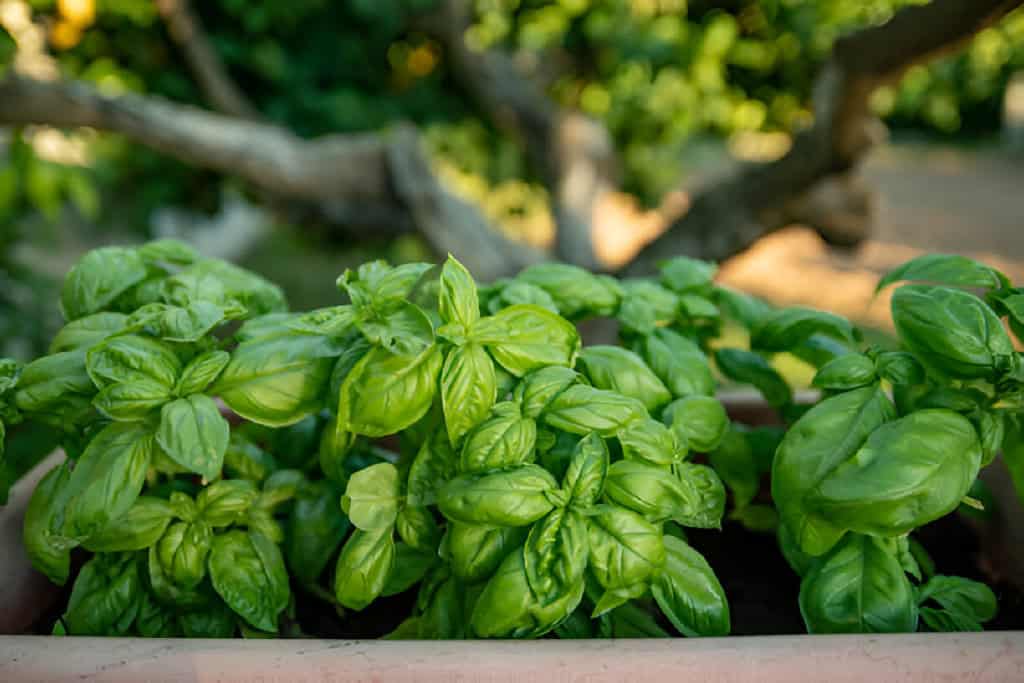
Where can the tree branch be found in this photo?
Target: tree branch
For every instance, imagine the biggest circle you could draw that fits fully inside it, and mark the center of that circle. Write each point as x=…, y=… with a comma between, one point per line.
x=187, y=31
x=730, y=216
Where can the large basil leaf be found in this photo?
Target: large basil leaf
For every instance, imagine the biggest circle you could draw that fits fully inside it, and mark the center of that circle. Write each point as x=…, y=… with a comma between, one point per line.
x=106, y=596
x=475, y=550
x=698, y=421
x=54, y=384
x=555, y=554
x=678, y=362
x=277, y=380
x=526, y=337
x=789, y=327
x=506, y=439
x=131, y=358
x=88, y=331
x=846, y=372
x=513, y=497
x=588, y=469
x=951, y=331
x=248, y=572
x=315, y=530
x=364, y=565
x=576, y=292
x=582, y=409
x=98, y=279
x=688, y=592
x=827, y=435
x=750, y=368
x=625, y=549
x=909, y=472
x=947, y=269
x=620, y=370
x=194, y=434
x=458, y=298
x=859, y=587
x=650, y=490
x=139, y=528
x=386, y=393
x=468, y=389
x=371, y=499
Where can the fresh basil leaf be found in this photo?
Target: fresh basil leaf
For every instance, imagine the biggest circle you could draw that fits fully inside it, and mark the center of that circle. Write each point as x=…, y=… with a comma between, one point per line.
x=334, y=321
x=965, y=604
x=404, y=330
x=194, y=434
x=371, y=499
x=899, y=367
x=379, y=286
x=617, y=369
x=734, y=462
x=651, y=441
x=798, y=560
x=98, y=279
x=165, y=590
x=588, y=469
x=139, y=528
x=411, y=565
x=215, y=620
x=366, y=562
x=106, y=596
x=699, y=421
x=947, y=269
x=245, y=460
x=418, y=528
x=55, y=385
x=705, y=496
x=555, y=554
x=750, y=368
x=458, y=301
x=625, y=549
x=513, y=497
x=745, y=309
x=131, y=401
x=859, y=587
x=845, y=373
x=177, y=323
x=475, y=550
x=224, y=284
x=182, y=552
x=576, y=292
x=504, y=440
x=226, y=502
x=248, y=572
x=582, y=409
x=682, y=274
x=526, y=337
x=130, y=358
x=540, y=387
x=688, y=592
x=46, y=547
x=991, y=428
x=787, y=328
x=201, y=372
x=386, y=393
x=88, y=331
x=503, y=294
x=156, y=620
x=315, y=530
x=168, y=251
x=468, y=389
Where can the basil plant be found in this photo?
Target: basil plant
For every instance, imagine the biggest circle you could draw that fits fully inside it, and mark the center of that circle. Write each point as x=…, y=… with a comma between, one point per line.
x=229, y=461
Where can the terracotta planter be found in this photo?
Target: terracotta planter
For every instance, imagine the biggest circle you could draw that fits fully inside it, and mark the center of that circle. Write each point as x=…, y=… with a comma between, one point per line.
x=993, y=656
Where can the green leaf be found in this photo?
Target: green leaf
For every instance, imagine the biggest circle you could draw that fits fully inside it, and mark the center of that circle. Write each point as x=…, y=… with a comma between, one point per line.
x=899, y=368
x=434, y=464
x=514, y=497
x=787, y=328
x=845, y=373
x=177, y=323
x=130, y=358
x=745, y=309
x=156, y=620
x=404, y=330
x=334, y=321
x=645, y=306
x=139, y=528
x=226, y=502
x=168, y=251
x=458, y=301
x=379, y=286
x=248, y=572
x=750, y=368
x=182, y=552
x=315, y=530
x=411, y=565
x=277, y=380
x=734, y=462
x=705, y=497
x=689, y=594
x=372, y=497
x=106, y=597
x=45, y=545
x=245, y=460
x=224, y=284
x=947, y=269
x=625, y=549
x=504, y=293
x=506, y=439
x=468, y=389
x=965, y=604
x=215, y=620
x=682, y=274
x=951, y=331
x=827, y=435
x=366, y=562
x=617, y=369
x=194, y=434
x=386, y=393
x=540, y=387
x=555, y=554
x=859, y=587
x=582, y=409
x=526, y=337
x=475, y=550
x=98, y=279
x=991, y=428
x=56, y=386
x=585, y=477
x=201, y=372
x=131, y=401
x=88, y=331
x=699, y=421
x=418, y=528
x=651, y=441
x=576, y=292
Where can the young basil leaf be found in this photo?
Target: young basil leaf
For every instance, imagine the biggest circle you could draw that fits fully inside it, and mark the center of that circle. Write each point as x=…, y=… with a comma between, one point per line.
x=366, y=562
x=585, y=477
x=234, y=285
x=182, y=552
x=183, y=507
x=789, y=327
x=386, y=393
x=947, y=269
x=582, y=409
x=315, y=530
x=617, y=369
x=226, y=502
x=106, y=596
x=45, y=545
x=167, y=251
x=177, y=323
x=845, y=373
x=683, y=274
x=909, y=472
x=411, y=565
x=951, y=331
x=819, y=349
x=540, y=387
x=575, y=291
x=526, y=337
x=734, y=462
x=991, y=428
x=651, y=441
x=458, y=302
x=699, y=421
x=663, y=303
x=194, y=434
x=201, y=372
x=637, y=316
x=514, y=497
x=705, y=496
x=372, y=497
x=625, y=549
x=379, y=286
x=98, y=279
x=434, y=464
x=750, y=368
x=404, y=330
x=859, y=587
x=248, y=572
x=475, y=551
x=418, y=528
x=506, y=439
x=86, y=332
x=277, y=380
x=504, y=293
x=130, y=358
x=170, y=593
x=139, y=528
x=899, y=367
x=107, y=478
x=698, y=311
x=828, y=434
x=334, y=321
x=688, y=592
x=555, y=554
x=965, y=604
x=468, y=389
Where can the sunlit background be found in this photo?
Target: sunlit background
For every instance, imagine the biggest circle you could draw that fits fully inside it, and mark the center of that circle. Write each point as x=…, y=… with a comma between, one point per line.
x=685, y=88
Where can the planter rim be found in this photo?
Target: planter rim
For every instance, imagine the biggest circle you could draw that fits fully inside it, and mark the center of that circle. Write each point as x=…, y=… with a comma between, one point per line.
x=994, y=656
